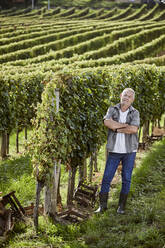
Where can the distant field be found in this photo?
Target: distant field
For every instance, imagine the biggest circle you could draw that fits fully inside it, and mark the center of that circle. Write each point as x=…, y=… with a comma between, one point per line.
x=81, y=38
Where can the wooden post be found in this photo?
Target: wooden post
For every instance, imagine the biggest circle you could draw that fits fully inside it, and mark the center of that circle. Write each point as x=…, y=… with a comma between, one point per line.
x=59, y=199
x=48, y=4
x=7, y=142
x=32, y=4
x=95, y=161
x=71, y=185
x=91, y=168
x=85, y=170
x=3, y=145
x=51, y=191
x=153, y=125
x=26, y=133
x=39, y=187
x=17, y=141
x=81, y=171
x=145, y=131
x=47, y=200
x=54, y=189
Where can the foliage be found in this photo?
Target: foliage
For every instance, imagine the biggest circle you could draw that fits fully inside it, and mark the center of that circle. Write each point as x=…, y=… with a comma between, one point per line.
x=19, y=92
x=72, y=134
x=148, y=85
x=143, y=224
x=15, y=174
x=4, y=105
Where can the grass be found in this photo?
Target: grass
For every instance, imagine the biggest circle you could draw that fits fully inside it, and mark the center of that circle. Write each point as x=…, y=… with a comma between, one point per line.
x=142, y=226
x=16, y=172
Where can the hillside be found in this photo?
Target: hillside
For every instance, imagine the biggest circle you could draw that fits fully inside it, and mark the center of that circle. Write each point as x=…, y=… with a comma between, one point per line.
x=81, y=38
x=83, y=57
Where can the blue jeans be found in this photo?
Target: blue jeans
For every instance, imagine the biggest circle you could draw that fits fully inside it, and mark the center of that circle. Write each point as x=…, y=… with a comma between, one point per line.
x=112, y=163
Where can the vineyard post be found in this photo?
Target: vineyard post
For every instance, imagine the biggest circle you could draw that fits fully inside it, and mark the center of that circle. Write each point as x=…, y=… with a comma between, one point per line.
x=91, y=167
x=95, y=160
x=85, y=170
x=48, y=4
x=32, y=4
x=3, y=145
x=51, y=194
x=71, y=185
x=57, y=166
x=39, y=187
x=7, y=142
x=17, y=141
x=25, y=132
x=145, y=131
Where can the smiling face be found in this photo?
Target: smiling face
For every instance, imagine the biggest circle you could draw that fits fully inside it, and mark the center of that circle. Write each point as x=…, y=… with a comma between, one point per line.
x=127, y=98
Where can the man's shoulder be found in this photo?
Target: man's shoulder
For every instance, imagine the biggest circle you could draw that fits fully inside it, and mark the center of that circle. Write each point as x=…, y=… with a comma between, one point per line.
x=112, y=110
x=133, y=109
x=115, y=107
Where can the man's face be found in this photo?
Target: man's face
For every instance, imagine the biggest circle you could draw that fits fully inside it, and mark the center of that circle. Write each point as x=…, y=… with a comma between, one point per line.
x=127, y=98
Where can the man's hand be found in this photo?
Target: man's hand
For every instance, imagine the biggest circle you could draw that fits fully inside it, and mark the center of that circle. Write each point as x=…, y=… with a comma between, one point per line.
x=128, y=130
x=121, y=127
x=114, y=124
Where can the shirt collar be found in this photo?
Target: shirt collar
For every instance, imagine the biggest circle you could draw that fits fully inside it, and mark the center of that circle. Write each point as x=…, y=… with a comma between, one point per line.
x=131, y=108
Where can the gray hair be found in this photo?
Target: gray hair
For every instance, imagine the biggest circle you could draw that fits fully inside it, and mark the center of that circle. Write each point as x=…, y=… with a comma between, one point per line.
x=130, y=89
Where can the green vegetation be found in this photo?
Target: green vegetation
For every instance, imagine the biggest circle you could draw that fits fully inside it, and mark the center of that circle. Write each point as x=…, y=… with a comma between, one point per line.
x=82, y=3
x=141, y=226
x=72, y=39
x=68, y=34
x=86, y=53
x=72, y=134
x=16, y=172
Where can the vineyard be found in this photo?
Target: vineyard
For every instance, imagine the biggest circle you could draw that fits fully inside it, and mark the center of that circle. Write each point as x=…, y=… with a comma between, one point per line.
x=59, y=71
x=82, y=38
x=36, y=44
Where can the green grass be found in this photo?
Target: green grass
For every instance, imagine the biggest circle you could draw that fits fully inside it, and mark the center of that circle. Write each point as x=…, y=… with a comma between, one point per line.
x=12, y=147
x=16, y=172
x=142, y=226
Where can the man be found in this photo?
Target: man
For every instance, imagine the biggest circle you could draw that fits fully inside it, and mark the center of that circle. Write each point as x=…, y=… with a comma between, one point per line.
x=122, y=121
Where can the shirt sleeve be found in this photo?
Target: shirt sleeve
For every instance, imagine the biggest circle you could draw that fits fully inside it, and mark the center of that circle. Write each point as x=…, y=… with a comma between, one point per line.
x=108, y=114
x=136, y=119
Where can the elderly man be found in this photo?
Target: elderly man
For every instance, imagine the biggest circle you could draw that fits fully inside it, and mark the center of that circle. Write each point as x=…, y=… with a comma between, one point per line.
x=122, y=121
